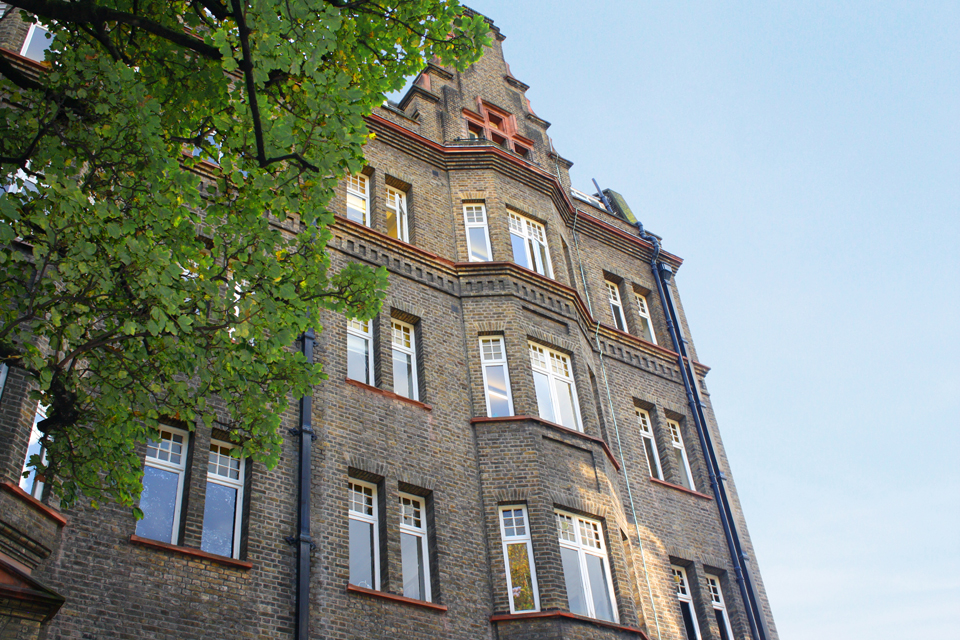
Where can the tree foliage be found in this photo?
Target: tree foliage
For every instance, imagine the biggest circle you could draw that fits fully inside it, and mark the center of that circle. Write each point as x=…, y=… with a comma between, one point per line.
x=135, y=292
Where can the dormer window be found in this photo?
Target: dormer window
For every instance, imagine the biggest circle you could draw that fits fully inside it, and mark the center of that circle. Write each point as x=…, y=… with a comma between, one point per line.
x=496, y=125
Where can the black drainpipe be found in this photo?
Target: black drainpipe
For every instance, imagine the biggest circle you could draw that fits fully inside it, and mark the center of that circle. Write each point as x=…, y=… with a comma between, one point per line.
x=303, y=540
x=661, y=273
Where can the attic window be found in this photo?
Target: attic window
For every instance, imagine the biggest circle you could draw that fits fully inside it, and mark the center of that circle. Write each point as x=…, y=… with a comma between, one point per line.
x=499, y=126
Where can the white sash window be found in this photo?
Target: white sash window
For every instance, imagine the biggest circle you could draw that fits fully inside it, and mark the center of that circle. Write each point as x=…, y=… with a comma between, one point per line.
x=478, y=236
x=529, y=242
x=358, y=199
x=496, y=378
x=518, y=560
x=649, y=444
x=556, y=391
x=586, y=568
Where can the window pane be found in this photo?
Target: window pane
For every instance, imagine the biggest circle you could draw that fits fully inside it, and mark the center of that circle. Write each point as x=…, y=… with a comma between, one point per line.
x=29, y=483
x=574, y=581
x=39, y=43
x=520, y=577
x=568, y=416
x=541, y=252
x=361, y=554
x=411, y=553
x=403, y=374
x=682, y=468
x=358, y=350
x=597, y=573
x=520, y=251
x=689, y=625
x=393, y=226
x=478, y=244
x=652, y=458
x=645, y=330
x=219, y=516
x=722, y=624
x=544, y=399
x=497, y=391
x=158, y=503
x=356, y=208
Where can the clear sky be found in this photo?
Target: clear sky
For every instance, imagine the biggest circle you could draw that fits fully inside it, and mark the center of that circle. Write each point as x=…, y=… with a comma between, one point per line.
x=804, y=160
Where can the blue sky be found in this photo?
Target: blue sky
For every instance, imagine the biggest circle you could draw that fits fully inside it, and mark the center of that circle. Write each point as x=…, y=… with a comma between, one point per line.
x=804, y=160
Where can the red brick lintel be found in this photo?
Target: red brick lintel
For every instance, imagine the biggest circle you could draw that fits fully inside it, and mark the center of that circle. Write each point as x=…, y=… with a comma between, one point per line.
x=389, y=394
x=681, y=488
x=553, y=425
x=515, y=617
x=19, y=493
x=188, y=551
x=395, y=598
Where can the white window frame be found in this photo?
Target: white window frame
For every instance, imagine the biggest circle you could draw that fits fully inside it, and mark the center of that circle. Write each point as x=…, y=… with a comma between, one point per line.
x=405, y=332
x=408, y=526
x=719, y=604
x=676, y=438
x=470, y=221
x=31, y=34
x=3, y=378
x=616, y=306
x=363, y=330
x=179, y=469
x=359, y=187
x=685, y=597
x=533, y=235
x=643, y=310
x=31, y=483
x=397, y=202
x=645, y=426
x=583, y=549
x=490, y=360
x=517, y=538
x=225, y=480
x=559, y=370
x=369, y=518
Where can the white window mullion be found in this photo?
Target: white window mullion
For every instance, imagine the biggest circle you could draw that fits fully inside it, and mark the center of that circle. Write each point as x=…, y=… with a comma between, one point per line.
x=680, y=454
x=414, y=548
x=358, y=199
x=405, y=381
x=496, y=377
x=478, y=235
x=360, y=351
x=649, y=444
x=397, y=223
x=221, y=521
x=556, y=390
x=364, y=535
x=646, y=322
x=162, y=496
x=521, y=571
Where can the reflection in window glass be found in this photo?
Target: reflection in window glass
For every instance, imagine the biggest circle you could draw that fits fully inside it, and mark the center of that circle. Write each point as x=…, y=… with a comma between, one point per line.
x=224, y=498
x=518, y=556
x=364, y=546
x=496, y=379
x=163, y=486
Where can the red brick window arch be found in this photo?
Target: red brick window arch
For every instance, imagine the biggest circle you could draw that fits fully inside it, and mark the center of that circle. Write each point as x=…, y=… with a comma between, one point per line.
x=492, y=123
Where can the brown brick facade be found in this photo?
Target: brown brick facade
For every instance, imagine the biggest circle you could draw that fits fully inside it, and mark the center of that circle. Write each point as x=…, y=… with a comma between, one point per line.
x=443, y=448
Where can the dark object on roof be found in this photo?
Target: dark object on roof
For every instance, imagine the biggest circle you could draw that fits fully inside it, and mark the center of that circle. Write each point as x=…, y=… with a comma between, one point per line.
x=620, y=206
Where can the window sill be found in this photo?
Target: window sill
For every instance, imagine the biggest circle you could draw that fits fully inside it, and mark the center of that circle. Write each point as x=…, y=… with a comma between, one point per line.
x=389, y=394
x=555, y=426
x=516, y=617
x=188, y=551
x=680, y=488
x=395, y=598
x=19, y=493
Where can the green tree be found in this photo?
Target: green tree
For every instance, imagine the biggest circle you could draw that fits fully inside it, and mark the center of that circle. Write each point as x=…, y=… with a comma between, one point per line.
x=132, y=290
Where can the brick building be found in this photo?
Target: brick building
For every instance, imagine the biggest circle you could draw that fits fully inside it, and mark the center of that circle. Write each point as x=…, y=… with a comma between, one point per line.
x=513, y=448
